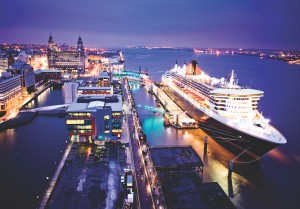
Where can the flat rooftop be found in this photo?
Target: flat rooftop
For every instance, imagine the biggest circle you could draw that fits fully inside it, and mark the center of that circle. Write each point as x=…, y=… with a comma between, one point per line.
x=90, y=178
x=90, y=103
x=4, y=78
x=93, y=87
x=185, y=190
x=180, y=180
x=174, y=157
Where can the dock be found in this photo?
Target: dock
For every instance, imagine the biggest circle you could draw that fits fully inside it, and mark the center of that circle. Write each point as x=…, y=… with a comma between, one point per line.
x=176, y=116
x=176, y=158
x=179, y=172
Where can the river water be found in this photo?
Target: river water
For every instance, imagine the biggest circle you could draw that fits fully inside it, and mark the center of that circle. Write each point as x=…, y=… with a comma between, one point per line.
x=30, y=153
x=274, y=182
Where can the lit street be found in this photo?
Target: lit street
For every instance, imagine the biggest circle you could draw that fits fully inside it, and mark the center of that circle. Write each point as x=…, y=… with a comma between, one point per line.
x=142, y=187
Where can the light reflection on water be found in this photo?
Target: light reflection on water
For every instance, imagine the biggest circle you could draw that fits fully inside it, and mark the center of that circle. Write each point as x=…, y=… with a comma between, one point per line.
x=29, y=154
x=273, y=182
x=216, y=158
x=7, y=142
x=43, y=99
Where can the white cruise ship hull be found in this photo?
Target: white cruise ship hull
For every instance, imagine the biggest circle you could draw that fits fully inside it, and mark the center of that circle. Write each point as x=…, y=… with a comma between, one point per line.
x=234, y=140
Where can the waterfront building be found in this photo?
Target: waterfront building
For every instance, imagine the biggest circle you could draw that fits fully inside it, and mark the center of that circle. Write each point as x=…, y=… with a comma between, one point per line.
x=71, y=61
x=38, y=77
x=108, y=60
x=3, y=62
x=27, y=75
x=42, y=76
x=10, y=90
x=76, y=88
x=96, y=117
x=112, y=61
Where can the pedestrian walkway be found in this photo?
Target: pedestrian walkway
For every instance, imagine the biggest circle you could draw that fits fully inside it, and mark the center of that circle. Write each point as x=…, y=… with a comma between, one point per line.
x=52, y=184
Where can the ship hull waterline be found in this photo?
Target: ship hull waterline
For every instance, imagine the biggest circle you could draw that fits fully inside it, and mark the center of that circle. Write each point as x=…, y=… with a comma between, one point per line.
x=246, y=146
x=243, y=145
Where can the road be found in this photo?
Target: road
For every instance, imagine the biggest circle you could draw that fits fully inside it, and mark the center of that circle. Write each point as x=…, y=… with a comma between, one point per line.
x=143, y=186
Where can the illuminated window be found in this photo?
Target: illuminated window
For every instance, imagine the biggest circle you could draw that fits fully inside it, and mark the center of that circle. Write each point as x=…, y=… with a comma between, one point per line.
x=116, y=113
x=117, y=130
x=75, y=122
x=106, y=117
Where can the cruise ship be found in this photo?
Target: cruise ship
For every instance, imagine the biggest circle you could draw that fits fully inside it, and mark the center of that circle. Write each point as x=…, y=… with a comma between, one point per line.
x=229, y=111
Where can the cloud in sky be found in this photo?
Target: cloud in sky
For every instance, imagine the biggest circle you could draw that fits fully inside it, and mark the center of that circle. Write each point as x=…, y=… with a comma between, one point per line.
x=193, y=23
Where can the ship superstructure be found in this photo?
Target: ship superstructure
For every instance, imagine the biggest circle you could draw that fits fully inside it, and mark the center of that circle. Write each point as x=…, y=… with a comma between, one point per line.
x=230, y=109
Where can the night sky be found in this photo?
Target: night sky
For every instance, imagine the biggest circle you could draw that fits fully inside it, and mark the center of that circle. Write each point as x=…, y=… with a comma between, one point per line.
x=181, y=23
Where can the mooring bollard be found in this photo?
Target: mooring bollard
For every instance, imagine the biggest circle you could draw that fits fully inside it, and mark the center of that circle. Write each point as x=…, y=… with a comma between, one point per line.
x=230, y=167
x=205, y=144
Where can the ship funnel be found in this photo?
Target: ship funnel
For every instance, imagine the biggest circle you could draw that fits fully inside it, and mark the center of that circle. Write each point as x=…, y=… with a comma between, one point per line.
x=194, y=66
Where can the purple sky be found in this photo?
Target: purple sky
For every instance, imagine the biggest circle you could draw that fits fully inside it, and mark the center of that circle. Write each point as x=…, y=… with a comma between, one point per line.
x=182, y=23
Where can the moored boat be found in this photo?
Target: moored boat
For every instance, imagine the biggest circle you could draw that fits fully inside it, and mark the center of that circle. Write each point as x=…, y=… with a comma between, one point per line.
x=230, y=111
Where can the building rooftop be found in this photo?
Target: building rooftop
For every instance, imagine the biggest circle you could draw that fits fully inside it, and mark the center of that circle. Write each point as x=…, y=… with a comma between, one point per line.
x=103, y=74
x=4, y=78
x=179, y=173
x=80, y=107
x=39, y=71
x=105, y=98
x=92, y=103
x=96, y=104
x=185, y=190
x=50, y=71
x=90, y=181
x=93, y=87
x=19, y=64
x=174, y=157
x=115, y=106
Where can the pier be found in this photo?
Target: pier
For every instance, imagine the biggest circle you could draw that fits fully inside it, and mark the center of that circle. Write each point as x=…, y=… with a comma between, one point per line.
x=176, y=116
x=149, y=192
x=179, y=173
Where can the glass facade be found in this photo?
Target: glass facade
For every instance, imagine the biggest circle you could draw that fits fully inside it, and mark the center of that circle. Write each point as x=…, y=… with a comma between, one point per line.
x=80, y=126
x=80, y=114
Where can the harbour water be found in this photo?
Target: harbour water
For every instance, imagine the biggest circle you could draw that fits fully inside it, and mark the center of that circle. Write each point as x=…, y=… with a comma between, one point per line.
x=274, y=181
x=30, y=153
